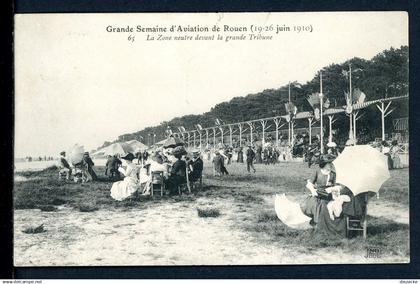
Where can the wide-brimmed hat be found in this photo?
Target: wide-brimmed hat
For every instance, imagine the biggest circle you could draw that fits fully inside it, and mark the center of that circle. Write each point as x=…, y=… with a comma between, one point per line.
x=325, y=159
x=157, y=158
x=196, y=152
x=179, y=150
x=86, y=153
x=62, y=152
x=128, y=157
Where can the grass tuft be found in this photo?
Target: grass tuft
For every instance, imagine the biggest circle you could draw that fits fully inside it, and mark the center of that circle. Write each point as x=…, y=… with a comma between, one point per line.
x=87, y=207
x=34, y=230
x=208, y=212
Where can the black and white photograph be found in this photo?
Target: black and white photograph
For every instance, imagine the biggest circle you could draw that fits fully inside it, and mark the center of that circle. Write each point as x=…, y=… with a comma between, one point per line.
x=269, y=138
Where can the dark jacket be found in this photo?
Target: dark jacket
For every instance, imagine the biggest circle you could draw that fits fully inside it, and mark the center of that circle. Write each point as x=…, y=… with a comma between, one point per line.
x=250, y=154
x=197, y=171
x=179, y=168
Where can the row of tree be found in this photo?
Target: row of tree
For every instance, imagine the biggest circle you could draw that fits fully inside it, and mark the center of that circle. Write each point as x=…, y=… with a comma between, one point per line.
x=385, y=75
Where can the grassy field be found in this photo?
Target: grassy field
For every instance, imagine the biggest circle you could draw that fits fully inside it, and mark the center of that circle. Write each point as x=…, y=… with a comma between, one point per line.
x=244, y=202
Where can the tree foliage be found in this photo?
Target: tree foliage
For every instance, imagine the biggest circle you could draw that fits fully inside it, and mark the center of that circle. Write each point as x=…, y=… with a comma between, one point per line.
x=385, y=75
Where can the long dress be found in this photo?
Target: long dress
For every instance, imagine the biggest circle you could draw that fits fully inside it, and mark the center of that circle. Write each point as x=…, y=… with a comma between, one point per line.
x=317, y=208
x=240, y=156
x=122, y=189
x=312, y=204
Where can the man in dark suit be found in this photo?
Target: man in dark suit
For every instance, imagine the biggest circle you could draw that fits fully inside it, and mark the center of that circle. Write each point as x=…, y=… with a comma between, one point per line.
x=250, y=155
x=195, y=166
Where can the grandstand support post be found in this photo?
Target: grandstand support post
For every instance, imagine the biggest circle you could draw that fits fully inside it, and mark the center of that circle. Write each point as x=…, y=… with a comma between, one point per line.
x=188, y=137
x=199, y=138
x=356, y=117
x=214, y=138
x=331, y=122
x=264, y=128
x=194, y=139
x=207, y=137
x=310, y=123
x=277, y=123
x=230, y=135
x=221, y=134
x=240, y=134
x=292, y=131
x=321, y=107
x=384, y=113
x=251, y=126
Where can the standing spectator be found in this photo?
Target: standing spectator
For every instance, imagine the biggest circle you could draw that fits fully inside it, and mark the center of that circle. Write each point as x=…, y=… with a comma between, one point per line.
x=195, y=166
x=250, y=155
x=64, y=166
x=217, y=163
x=396, y=161
x=88, y=164
x=145, y=156
x=224, y=158
x=386, y=151
x=258, y=156
x=240, y=155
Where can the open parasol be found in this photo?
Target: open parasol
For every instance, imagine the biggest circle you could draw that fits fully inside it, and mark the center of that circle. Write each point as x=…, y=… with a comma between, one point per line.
x=75, y=154
x=361, y=168
x=120, y=148
x=290, y=213
x=137, y=146
x=172, y=142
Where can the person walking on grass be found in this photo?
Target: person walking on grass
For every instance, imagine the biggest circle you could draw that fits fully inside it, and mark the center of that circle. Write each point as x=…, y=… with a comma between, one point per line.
x=250, y=155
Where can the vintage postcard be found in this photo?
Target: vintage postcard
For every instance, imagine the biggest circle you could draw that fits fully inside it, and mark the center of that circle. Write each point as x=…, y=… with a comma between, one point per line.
x=211, y=139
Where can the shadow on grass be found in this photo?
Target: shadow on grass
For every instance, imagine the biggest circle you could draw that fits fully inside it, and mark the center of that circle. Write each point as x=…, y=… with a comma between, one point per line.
x=390, y=236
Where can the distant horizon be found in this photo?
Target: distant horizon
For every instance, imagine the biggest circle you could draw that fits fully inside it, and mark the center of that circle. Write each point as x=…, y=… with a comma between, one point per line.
x=67, y=92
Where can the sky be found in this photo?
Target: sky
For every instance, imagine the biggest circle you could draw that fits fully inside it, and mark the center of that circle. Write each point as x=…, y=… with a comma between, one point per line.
x=77, y=83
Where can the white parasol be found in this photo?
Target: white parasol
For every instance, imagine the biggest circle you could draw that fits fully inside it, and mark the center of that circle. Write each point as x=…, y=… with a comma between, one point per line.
x=290, y=213
x=137, y=146
x=361, y=168
x=120, y=148
x=75, y=154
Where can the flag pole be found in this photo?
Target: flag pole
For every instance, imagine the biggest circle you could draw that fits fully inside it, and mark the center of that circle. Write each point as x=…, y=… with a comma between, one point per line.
x=351, y=104
x=321, y=95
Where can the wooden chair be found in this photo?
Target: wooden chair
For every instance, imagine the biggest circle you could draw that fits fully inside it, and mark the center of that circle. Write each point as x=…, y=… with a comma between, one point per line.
x=358, y=223
x=157, y=182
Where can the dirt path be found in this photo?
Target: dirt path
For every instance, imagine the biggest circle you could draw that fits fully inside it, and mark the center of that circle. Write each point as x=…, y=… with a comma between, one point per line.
x=167, y=233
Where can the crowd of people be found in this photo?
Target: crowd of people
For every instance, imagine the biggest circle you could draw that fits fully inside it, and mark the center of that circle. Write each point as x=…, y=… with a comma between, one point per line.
x=135, y=173
x=32, y=159
x=328, y=204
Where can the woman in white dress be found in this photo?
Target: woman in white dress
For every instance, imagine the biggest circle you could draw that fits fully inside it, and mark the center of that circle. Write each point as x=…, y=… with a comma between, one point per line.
x=122, y=189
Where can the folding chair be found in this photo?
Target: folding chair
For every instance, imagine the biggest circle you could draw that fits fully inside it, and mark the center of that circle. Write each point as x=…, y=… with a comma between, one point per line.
x=358, y=223
x=157, y=182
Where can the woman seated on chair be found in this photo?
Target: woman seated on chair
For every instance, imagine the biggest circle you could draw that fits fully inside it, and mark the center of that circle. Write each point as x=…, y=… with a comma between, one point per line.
x=330, y=204
x=178, y=171
x=123, y=189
